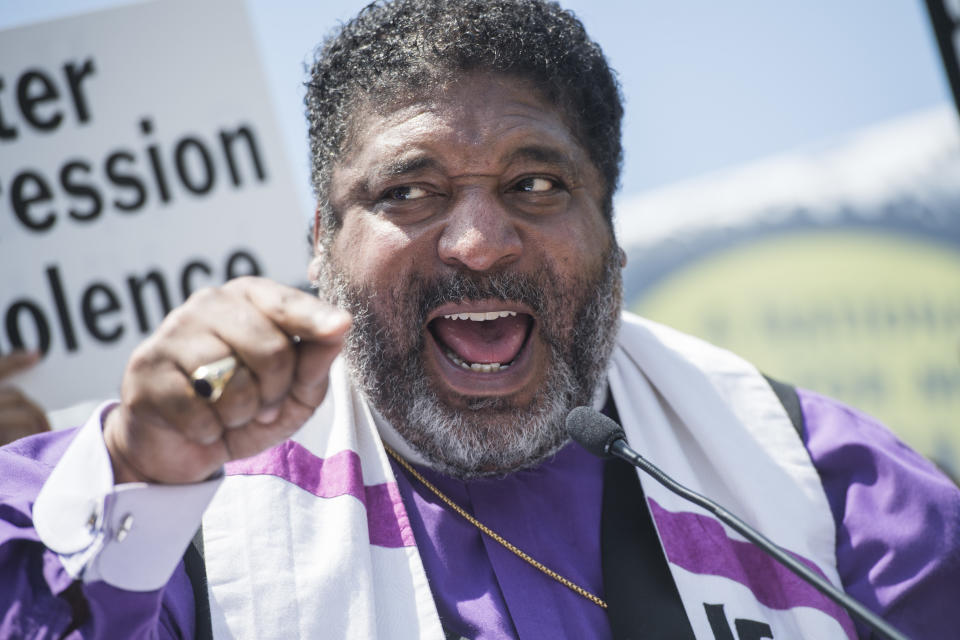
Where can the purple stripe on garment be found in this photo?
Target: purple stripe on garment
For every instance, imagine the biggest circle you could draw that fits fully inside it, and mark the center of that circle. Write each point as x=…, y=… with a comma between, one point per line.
x=339, y=475
x=700, y=545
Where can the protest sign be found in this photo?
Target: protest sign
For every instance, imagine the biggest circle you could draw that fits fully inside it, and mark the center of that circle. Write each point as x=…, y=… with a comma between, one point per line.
x=139, y=162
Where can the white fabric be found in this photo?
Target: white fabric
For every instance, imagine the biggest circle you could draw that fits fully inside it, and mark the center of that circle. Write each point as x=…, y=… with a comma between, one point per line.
x=711, y=421
x=282, y=563
x=132, y=535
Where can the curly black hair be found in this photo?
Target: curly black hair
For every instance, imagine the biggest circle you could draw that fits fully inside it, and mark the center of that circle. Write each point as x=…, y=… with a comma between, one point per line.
x=394, y=51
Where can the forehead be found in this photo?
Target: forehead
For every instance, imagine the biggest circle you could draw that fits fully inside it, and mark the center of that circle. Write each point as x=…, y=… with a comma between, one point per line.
x=473, y=126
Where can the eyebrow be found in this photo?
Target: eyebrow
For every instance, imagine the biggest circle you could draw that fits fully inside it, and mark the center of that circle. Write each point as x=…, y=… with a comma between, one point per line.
x=415, y=163
x=539, y=153
x=396, y=168
x=407, y=165
x=545, y=155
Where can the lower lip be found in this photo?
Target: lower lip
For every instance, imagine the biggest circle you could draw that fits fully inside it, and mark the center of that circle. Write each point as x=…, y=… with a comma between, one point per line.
x=478, y=383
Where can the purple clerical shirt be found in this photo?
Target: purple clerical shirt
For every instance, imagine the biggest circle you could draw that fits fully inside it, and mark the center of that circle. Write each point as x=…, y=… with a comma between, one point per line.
x=898, y=544
x=485, y=591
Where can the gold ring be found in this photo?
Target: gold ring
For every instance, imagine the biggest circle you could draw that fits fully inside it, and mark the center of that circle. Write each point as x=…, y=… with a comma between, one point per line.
x=210, y=379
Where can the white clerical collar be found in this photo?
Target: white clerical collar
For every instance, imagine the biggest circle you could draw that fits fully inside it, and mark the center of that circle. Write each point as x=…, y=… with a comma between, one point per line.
x=395, y=441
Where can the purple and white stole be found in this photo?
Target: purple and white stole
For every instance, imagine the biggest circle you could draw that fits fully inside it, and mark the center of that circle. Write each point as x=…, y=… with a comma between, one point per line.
x=310, y=539
x=710, y=420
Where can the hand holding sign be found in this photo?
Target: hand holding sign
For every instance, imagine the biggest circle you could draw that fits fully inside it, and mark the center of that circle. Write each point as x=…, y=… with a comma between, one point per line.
x=19, y=415
x=163, y=432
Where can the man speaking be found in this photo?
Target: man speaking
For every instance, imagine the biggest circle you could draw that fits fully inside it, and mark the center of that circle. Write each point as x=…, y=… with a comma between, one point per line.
x=389, y=460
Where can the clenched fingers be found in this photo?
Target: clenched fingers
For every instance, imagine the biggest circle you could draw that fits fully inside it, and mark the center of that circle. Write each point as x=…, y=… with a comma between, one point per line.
x=284, y=341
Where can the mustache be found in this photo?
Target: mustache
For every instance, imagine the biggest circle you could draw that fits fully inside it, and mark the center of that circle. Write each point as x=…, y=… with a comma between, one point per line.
x=458, y=287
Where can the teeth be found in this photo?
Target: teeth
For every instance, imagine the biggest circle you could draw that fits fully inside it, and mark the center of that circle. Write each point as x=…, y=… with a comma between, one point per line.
x=480, y=316
x=476, y=366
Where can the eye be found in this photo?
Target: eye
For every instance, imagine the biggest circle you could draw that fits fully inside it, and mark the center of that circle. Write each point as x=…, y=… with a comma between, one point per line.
x=405, y=192
x=536, y=185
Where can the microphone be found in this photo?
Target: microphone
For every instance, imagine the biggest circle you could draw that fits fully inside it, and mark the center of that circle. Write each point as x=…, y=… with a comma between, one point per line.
x=603, y=437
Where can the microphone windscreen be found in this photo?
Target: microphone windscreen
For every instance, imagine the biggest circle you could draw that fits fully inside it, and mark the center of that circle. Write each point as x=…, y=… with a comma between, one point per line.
x=593, y=430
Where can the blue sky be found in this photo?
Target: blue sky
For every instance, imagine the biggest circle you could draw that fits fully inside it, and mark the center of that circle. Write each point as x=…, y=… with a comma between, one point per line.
x=708, y=85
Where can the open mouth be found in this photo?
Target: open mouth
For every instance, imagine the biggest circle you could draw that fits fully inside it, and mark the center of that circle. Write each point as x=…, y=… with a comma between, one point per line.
x=482, y=341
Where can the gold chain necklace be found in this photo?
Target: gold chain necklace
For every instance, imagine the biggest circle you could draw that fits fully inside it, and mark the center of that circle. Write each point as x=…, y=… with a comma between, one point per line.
x=493, y=534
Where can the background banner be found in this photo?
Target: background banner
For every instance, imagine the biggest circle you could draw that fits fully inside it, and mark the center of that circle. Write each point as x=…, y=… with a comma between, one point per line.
x=836, y=269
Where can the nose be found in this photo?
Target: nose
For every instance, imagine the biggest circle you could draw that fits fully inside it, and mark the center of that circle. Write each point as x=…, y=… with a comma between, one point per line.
x=480, y=233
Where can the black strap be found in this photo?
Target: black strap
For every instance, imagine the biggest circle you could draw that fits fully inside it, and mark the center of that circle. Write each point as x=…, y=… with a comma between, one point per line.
x=197, y=572
x=787, y=394
x=642, y=599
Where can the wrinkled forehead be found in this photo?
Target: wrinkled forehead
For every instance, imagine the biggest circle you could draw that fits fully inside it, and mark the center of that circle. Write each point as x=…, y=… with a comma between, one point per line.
x=452, y=96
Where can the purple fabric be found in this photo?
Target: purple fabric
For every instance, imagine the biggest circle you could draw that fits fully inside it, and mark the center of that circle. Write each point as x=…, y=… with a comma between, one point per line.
x=33, y=584
x=898, y=543
x=484, y=591
x=898, y=520
x=700, y=545
x=340, y=474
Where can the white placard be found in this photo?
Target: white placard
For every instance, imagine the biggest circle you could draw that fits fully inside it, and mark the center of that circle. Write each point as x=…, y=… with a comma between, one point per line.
x=139, y=160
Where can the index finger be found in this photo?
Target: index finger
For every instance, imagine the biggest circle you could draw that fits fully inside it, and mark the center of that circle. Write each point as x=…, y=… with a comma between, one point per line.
x=298, y=314
x=17, y=361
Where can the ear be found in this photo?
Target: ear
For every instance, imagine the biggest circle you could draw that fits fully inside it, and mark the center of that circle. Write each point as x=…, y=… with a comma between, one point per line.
x=313, y=271
x=317, y=230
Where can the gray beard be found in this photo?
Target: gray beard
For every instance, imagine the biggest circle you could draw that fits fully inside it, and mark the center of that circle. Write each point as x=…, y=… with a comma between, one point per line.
x=577, y=320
